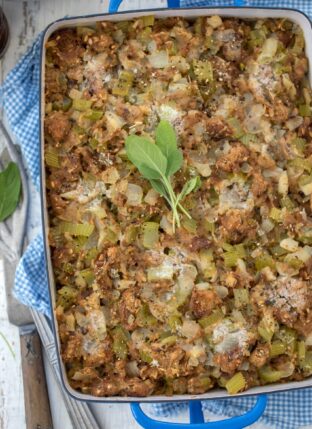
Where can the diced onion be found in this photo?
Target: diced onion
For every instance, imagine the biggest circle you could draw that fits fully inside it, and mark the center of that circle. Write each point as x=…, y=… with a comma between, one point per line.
x=159, y=60
x=283, y=183
x=294, y=123
x=214, y=21
x=151, y=197
x=306, y=189
x=134, y=194
x=74, y=94
x=166, y=225
x=189, y=329
x=268, y=50
x=221, y=291
x=113, y=121
x=289, y=244
x=203, y=169
x=162, y=272
x=110, y=175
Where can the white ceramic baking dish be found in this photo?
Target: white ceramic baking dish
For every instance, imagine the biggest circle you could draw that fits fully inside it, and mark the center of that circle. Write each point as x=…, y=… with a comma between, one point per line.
x=190, y=13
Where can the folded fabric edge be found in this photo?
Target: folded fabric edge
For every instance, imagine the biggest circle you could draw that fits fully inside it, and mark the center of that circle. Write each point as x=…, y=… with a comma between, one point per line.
x=31, y=285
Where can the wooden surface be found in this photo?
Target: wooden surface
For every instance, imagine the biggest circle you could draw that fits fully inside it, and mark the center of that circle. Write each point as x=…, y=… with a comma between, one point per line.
x=27, y=19
x=34, y=382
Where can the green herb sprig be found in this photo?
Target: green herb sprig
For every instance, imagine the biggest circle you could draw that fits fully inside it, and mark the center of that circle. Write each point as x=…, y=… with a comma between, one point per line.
x=157, y=162
x=10, y=190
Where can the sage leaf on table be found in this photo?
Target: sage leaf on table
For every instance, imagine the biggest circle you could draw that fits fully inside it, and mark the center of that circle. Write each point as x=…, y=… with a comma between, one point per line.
x=157, y=162
x=10, y=190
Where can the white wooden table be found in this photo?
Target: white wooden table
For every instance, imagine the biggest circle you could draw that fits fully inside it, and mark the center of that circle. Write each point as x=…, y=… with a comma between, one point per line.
x=26, y=20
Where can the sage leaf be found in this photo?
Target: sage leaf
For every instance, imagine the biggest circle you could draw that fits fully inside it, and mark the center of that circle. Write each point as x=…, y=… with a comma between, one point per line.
x=166, y=140
x=10, y=189
x=174, y=162
x=191, y=185
x=159, y=187
x=146, y=156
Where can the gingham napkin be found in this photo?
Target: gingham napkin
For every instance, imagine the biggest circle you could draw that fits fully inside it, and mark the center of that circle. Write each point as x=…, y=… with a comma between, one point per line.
x=19, y=96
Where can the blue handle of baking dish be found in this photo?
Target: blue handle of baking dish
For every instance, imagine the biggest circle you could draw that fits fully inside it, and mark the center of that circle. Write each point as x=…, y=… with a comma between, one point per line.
x=114, y=4
x=197, y=418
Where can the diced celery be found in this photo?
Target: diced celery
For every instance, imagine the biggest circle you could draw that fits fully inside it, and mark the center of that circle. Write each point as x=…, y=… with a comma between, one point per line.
x=277, y=348
x=123, y=84
x=123, y=25
x=88, y=275
x=209, y=226
x=237, y=129
x=301, y=163
x=145, y=356
x=174, y=322
x=305, y=184
x=82, y=105
x=278, y=251
x=131, y=234
x=269, y=375
x=266, y=328
x=148, y=21
x=294, y=263
x=276, y=214
x=241, y=297
x=144, y=35
x=246, y=139
x=52, y=158
x=145, y=318
x=168, y=341
x=306, y=364
x=288, y=337
x=94, y=143
x=231, y=257
x=66, y=296
x=263, y=261
x=94, y=115
x=236, y=384
x=257, y=37
x=305, y=110
x=199, y=25
x=299, y=144
x=64, y=105
x=150, y=232
x=212, y=319
x=213, y=197
x=207, y=264
x=84, y=229
x=85, y=31
x=301, y=347
x=203, y=70
x=190, y=225
x=287, y=203
x=79, y=130
x=298, y=44
x=120, y=342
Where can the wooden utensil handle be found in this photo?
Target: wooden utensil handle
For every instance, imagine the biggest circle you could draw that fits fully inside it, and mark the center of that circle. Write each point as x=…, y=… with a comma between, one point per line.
x=37, y=408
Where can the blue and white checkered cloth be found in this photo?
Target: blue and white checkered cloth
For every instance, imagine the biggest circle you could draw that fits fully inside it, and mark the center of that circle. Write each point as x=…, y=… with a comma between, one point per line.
x=19, y=96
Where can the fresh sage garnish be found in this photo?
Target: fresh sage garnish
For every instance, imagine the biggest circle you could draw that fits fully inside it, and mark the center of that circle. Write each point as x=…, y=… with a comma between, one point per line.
x=10, y=189
x=157, y=162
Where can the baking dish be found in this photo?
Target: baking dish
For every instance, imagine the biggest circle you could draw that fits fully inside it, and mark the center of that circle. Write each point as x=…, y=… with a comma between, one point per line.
x=246, y=13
